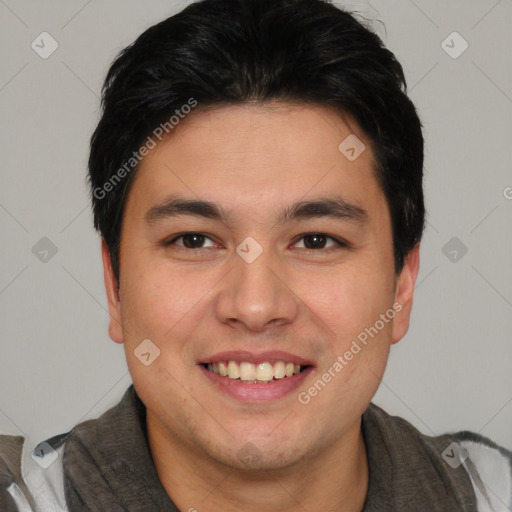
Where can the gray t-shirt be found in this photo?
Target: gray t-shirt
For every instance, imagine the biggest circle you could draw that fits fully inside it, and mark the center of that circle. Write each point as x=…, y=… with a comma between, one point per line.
x=105, y=465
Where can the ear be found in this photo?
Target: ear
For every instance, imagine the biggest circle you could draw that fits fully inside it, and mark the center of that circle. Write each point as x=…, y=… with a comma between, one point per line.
x=404, y=292
x=115, y=330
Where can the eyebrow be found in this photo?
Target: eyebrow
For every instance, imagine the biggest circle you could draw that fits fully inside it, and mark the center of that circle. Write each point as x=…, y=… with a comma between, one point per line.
x=333, y=207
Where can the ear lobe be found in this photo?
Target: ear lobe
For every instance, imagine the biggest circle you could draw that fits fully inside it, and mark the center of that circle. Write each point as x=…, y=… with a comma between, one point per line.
x=115, y=329
x=404, y=293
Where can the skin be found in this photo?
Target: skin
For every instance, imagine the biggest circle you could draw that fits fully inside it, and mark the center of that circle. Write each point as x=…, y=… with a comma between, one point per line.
x=254, y=161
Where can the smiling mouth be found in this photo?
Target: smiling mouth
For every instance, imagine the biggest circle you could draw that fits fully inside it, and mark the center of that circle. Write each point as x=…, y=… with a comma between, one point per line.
x=262, y=373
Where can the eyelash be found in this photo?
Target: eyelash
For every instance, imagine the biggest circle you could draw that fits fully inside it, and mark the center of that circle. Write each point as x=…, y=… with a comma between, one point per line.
x=341, y=244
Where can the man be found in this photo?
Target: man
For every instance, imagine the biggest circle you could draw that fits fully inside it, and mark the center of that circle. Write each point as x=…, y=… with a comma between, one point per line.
x=256, y=177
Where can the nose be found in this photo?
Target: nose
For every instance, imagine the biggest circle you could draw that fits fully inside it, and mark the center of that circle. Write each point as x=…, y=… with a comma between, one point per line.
x=256, y=295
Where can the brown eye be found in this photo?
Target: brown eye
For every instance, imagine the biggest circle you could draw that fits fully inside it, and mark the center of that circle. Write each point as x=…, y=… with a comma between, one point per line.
x=193, y=240
x=314, y=241
x=190, y=241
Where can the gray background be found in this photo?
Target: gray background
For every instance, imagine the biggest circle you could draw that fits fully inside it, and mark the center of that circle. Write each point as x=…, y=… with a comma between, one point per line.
x=57, y=363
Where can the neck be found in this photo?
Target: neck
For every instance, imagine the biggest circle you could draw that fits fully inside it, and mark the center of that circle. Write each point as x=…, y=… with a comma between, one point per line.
x=333, y=480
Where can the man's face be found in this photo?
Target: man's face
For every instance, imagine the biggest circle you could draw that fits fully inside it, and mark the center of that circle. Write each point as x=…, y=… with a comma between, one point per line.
x=269, y=282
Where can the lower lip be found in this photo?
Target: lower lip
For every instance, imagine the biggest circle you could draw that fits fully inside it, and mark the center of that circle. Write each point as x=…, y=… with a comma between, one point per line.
x=249, y=392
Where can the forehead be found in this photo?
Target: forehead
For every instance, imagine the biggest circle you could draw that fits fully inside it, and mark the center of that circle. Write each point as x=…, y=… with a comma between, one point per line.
x=261, y=152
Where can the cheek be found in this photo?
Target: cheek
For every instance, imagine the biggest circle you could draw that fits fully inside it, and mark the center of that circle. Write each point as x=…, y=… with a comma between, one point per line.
x=161, y=303
x=348, y=299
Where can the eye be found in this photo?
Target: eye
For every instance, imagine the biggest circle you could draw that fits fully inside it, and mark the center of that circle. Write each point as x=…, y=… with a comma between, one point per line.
x=190, y=241
x=308, y=241
x=313, y=241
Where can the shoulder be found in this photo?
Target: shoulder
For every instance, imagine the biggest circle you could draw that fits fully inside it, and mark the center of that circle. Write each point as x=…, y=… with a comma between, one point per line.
x=33, y=477
x=31, y=474
x=487, y=466
x=11, y=448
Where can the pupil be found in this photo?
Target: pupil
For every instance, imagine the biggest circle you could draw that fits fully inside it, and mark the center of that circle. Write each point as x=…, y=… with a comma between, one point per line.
x=192, y=241
x=317, y=241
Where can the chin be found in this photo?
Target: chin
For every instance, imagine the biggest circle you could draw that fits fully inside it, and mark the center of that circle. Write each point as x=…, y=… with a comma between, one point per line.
x=260, y=453
x=251, y=459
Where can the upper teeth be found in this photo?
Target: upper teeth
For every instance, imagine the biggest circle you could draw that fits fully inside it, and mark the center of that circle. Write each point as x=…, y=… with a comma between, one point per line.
x=262, y=372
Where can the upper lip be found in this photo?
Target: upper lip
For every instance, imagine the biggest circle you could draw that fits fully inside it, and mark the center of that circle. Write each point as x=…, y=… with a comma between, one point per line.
x=272, y=356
